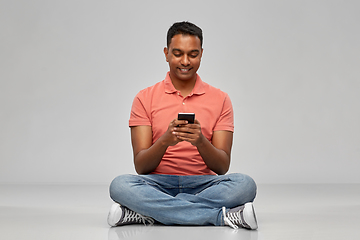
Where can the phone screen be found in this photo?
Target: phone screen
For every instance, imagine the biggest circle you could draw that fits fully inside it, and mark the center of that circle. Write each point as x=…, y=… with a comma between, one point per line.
x=190, y=117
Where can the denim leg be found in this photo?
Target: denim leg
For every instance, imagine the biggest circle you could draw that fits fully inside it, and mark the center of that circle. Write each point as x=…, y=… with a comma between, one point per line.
x=155, y=196
x=228, y=191
x=185, y=200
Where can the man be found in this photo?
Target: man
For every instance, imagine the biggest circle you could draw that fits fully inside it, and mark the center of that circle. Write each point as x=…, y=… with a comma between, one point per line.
x=181, y=165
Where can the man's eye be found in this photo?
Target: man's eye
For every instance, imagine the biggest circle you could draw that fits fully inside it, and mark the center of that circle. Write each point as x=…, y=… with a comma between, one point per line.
x=177, y=54
x=194, y=55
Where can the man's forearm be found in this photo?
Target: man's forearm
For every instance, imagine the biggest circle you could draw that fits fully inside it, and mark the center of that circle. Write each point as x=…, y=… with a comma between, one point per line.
x=216, y=159
x=148, y=159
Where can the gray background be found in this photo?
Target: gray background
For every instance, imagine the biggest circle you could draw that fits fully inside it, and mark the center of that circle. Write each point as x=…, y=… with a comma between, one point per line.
x=70, y=69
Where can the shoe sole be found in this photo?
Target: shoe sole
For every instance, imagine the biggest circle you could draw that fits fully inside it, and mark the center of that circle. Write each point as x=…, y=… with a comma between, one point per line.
x=114, y=214
x=249, y=215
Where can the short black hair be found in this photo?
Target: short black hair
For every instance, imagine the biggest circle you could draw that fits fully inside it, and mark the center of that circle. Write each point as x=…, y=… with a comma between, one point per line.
x=184, y=28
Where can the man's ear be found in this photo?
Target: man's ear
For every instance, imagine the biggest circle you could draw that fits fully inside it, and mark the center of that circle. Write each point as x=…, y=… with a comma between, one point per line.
x=166, y=52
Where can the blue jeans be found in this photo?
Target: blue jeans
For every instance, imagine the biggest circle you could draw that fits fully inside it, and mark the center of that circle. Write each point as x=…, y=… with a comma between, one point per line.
x=183, y=200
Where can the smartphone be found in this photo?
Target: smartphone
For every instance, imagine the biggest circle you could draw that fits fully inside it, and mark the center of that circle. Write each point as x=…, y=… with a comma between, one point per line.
x=190, y=117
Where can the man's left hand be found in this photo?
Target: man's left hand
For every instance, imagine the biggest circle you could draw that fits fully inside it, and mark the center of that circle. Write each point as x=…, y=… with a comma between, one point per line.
x=190, y=132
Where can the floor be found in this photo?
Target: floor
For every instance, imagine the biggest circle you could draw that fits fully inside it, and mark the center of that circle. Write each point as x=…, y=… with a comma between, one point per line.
x=79, y=212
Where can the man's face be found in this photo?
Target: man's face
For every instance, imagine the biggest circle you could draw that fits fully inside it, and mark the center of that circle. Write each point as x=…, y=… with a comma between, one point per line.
x=184, y=56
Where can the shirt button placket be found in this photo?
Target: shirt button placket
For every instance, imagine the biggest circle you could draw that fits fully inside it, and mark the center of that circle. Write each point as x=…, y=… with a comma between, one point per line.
x=184, y=105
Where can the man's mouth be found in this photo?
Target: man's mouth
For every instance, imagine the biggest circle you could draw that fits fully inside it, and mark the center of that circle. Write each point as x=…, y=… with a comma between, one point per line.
x=184, y=70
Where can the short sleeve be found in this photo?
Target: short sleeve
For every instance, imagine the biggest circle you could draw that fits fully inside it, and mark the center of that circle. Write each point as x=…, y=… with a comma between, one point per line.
x=226, y=119
x=139, y=115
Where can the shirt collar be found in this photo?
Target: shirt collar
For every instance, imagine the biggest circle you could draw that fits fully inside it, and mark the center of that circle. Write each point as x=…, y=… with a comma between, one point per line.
x=198, y=88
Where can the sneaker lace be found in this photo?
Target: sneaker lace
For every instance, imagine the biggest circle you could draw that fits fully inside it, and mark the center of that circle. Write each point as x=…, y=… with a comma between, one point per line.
x=131, y=217
x=233, y=219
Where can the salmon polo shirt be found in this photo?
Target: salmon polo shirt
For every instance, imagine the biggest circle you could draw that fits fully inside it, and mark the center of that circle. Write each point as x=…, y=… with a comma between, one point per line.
x=158, y=105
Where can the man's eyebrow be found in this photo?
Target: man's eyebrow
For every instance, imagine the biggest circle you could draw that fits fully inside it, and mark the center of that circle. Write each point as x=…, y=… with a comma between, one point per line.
x=176, y=50
x=179, y=50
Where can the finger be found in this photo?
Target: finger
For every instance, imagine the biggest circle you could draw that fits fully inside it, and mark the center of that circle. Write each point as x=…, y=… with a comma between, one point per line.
x=193, y=128
x=184, y=129
x=186, y=135
x=186, y=139
x=180, y=122
x=173, y=122
x=182, y=136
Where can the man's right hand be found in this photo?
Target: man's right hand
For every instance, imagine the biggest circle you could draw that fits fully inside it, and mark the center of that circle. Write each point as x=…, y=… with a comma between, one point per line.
x=169, y=138
x=147, y=156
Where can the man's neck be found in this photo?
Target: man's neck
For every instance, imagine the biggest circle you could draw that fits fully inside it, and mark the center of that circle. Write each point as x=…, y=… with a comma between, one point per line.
x=185, y=87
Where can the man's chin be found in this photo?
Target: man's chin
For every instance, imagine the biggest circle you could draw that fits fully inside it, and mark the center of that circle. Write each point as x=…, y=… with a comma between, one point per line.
x=186, y=76
x=189, y=76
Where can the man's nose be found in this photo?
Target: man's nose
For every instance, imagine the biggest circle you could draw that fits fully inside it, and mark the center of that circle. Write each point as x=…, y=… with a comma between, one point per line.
x=185, y=61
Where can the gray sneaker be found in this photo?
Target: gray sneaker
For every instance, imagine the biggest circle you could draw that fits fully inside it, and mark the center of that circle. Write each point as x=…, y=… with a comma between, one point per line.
x=120, y=215
x=242, y=216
